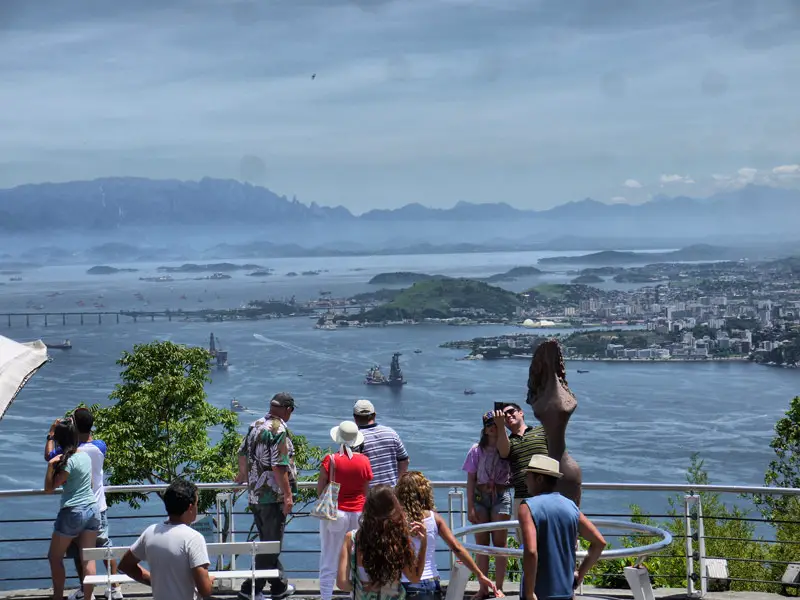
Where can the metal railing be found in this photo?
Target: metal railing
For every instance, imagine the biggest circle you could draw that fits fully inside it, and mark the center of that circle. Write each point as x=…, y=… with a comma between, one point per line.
x=689, y=546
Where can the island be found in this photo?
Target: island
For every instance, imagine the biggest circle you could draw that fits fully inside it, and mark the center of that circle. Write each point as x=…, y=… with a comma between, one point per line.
x=401, y=278
x=212, y=267
x=588, y=278
x=260, y=273
x=513, y=274
x=106, y=270
x=696, y=252
x=446, y=299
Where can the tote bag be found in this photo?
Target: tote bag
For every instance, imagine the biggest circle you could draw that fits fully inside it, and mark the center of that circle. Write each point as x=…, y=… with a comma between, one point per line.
x=327, y=506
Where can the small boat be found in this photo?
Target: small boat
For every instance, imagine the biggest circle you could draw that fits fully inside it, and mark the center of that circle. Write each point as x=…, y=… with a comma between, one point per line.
x=417, y=351
x=469, y=392
x=65, y=345
x=237, y=406
x=582, y=371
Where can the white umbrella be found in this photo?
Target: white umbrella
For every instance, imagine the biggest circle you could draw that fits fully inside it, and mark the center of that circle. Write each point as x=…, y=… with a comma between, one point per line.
x=18, y=362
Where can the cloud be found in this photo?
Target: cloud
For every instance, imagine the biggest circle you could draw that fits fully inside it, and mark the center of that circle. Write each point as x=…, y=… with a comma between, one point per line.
x=632, y=183
x=790, y=170
x=746, y=175
x=619, y=200
x=666, y=179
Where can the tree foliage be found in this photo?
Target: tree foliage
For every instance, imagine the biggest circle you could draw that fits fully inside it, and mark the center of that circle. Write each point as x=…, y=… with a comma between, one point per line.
x=158, y=427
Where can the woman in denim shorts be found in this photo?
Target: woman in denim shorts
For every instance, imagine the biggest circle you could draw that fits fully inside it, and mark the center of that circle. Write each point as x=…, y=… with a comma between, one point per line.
x=78, y=516
x=488, y=498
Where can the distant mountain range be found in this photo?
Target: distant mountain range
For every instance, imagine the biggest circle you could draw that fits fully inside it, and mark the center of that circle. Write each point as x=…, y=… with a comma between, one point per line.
x=110, y=204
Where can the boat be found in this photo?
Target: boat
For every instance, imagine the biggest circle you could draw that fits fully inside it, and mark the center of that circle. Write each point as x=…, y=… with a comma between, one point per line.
x=221, y=356
x=237, y=406
x=417, y=351
x=582, y=371
x=395, y=379
x=65, y=345
x=469, y=392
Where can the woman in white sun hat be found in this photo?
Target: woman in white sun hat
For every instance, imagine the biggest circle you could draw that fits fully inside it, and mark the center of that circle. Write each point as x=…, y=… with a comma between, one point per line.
x=351, y=469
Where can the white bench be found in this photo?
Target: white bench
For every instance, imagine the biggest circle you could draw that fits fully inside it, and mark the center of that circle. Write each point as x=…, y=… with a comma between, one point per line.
x=239, y=548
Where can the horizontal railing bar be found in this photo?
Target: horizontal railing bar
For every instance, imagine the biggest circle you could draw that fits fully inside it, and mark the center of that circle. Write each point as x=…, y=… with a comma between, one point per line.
x=738, y=539
x=623, y=487
x=754, y=560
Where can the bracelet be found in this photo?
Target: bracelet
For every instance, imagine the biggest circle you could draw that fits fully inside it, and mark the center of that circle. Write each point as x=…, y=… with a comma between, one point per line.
x=49, y=438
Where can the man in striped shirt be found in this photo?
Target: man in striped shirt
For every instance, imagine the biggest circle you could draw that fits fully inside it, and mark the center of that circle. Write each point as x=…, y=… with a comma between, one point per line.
x=382, y=446
x=518, y=447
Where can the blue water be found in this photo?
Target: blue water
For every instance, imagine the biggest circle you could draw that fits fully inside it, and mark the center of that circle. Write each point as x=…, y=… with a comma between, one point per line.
x=635, y=422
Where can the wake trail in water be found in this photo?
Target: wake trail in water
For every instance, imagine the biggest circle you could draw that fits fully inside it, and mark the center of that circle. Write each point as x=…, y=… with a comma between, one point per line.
x=306, y=351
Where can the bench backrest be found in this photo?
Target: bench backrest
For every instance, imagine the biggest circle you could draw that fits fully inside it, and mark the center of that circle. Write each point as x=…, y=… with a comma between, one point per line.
x=238, y=548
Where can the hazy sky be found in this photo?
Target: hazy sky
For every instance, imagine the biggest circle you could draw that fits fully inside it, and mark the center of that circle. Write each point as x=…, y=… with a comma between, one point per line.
x=532, y=102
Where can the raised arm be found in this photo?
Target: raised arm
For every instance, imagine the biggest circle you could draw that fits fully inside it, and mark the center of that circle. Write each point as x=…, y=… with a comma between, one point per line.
x=597, y=543
x=50, y=445
x=503, y=443
x=461, y=553
x=53, y=480
x=414, y=573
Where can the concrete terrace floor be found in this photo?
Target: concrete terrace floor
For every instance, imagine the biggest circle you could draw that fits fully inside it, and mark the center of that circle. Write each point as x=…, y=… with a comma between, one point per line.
x=309, y=589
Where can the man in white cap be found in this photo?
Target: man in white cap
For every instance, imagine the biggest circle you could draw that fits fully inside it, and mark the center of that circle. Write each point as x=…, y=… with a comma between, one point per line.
x=550, y=525
x=382, y=446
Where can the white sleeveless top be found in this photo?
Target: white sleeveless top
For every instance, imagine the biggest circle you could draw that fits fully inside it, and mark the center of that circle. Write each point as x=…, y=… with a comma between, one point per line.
x=431, y=571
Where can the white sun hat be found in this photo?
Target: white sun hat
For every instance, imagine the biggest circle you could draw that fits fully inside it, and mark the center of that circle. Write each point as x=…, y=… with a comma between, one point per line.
x=544, y=465
x=347, y=433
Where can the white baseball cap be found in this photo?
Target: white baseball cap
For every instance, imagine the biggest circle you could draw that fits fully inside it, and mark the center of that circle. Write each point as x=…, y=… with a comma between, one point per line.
x=363, y=408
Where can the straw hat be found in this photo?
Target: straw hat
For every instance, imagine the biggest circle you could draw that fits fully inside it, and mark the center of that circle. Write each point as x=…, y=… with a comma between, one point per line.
x=544, y=465
x=347, y=433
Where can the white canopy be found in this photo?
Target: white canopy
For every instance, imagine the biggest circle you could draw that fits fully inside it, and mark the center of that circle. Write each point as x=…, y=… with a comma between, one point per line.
x=18, y=362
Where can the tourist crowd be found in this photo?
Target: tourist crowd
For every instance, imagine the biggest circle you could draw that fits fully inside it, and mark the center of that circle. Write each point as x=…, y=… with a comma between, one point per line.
x=378, y=523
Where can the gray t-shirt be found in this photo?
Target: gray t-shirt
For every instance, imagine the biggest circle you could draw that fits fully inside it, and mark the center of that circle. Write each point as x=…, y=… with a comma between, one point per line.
x=171, y=552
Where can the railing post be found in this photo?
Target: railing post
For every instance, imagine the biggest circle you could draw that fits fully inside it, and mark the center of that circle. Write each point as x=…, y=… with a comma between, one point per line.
x=451, y=495
x=701, y=548
x=224, y=522
x=692, y=501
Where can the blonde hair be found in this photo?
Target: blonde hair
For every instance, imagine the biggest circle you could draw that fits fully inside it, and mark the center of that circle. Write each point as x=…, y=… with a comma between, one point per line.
x=415, y=494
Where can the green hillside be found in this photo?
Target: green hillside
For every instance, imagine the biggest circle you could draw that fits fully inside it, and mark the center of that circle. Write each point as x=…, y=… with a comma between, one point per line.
x=443, y=298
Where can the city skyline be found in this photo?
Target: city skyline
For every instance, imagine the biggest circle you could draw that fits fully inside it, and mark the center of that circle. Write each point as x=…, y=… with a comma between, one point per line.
x=380, y=103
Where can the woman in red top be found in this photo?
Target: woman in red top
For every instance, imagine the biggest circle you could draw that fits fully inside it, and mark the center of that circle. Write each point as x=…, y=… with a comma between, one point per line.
x=353, y=472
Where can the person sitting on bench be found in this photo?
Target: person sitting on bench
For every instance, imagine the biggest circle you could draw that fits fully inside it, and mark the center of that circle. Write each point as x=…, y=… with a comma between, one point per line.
x=176, y=553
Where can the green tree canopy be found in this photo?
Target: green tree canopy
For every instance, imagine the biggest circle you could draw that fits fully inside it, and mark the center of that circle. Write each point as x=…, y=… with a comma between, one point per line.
x=158, y=427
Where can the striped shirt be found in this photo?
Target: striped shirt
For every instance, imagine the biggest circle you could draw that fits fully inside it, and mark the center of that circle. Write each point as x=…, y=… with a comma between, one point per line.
x=523, y=447
x=384, y=449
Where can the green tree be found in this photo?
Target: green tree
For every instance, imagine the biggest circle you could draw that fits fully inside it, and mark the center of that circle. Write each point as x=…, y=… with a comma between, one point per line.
x=158, y=427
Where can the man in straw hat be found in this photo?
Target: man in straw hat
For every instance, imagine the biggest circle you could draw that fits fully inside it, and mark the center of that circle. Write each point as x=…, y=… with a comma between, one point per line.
x=550, y=525
x=352, y=472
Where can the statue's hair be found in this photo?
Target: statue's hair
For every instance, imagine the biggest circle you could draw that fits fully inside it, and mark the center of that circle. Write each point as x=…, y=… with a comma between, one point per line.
x=547, y=360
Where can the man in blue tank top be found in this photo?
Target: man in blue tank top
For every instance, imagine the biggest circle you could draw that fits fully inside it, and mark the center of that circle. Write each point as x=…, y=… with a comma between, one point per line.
x=550, y=525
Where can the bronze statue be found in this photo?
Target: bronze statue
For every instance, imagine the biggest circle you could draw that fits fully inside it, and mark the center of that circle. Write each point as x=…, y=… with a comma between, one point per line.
x=553, y=403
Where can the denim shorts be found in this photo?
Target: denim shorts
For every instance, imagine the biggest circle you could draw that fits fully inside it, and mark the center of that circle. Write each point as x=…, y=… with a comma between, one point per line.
x=499, y=504
x=427, y=589
x=103, y=541
x=73, y=520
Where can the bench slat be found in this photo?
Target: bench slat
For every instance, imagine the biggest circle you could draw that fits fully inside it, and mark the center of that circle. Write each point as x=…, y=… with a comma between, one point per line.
x=239, y=574
x=215, y=549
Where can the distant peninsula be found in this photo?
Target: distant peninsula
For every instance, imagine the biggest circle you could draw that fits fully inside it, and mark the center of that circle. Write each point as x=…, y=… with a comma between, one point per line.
x=212, y=267
x=401, y=278
x=514, y=274
x=445, y=298
x=697, y=252
x=588, y=278
x=106, y=270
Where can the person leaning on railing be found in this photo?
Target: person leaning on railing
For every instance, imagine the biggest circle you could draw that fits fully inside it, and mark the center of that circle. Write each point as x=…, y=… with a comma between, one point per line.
x=550, y=524
x=79, y=516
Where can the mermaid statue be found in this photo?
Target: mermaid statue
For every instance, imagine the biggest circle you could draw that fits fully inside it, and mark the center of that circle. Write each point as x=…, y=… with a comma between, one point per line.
x=553, y=404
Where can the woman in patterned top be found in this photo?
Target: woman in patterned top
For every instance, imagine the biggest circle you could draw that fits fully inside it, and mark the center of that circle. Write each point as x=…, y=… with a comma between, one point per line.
x=488, y=498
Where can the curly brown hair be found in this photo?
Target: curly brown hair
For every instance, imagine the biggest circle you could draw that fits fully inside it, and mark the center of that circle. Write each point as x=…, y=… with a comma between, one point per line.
x=415, y=494
x=383, y=538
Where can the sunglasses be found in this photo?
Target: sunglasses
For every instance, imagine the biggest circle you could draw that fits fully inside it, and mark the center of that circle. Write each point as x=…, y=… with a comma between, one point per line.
x=509, y=412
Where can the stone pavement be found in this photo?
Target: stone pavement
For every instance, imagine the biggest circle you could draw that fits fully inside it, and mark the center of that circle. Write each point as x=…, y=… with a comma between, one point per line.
x=308, y=589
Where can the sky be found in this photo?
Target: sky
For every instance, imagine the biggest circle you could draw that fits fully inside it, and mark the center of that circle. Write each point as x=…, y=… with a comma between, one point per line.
x=378, y=103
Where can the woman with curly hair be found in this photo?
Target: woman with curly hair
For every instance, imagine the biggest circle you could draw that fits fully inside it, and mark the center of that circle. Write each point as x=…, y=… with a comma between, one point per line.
x=79, y=516
x=376, y=555
x=415, y=494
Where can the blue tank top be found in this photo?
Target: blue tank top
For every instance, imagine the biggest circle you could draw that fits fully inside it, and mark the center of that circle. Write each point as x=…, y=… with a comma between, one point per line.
x=556, y=521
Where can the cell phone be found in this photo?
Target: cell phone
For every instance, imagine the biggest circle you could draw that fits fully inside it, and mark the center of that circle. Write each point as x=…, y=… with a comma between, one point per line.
x=499, y=405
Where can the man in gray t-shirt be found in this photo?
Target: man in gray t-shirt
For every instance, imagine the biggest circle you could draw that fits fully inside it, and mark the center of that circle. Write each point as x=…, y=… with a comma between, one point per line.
x=175, y=552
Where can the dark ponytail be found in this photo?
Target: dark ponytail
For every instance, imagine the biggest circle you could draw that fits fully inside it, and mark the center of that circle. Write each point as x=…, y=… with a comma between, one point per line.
x=65, y=436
